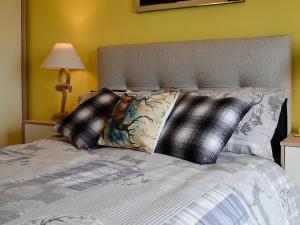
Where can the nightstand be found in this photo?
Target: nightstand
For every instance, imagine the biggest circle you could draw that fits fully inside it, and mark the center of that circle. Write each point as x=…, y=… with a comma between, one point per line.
x=290, y=157
x=36, y=130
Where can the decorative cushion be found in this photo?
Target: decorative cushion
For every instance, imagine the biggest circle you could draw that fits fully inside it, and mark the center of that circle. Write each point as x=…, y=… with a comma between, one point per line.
x=137, y=121
x=200, y=127
x=254, y=133
x=82, y=127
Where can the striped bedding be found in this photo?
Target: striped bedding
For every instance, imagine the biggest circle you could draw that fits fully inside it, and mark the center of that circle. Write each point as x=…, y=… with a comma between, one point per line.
x=49, y=182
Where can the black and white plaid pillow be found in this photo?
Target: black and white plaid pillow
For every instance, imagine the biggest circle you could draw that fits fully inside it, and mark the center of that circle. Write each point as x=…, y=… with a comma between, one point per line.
x=200, y=126
x=83, y=126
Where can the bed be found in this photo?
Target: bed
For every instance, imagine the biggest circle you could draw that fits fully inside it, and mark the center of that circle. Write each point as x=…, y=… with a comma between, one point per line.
x=52, y=182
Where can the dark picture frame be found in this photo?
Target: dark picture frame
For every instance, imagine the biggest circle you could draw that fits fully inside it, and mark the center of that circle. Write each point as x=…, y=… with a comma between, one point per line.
x=152, y=5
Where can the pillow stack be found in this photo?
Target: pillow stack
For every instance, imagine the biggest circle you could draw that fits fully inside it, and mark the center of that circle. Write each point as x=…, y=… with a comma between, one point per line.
x=129, y=120
x=255, y=131
x=196, y=128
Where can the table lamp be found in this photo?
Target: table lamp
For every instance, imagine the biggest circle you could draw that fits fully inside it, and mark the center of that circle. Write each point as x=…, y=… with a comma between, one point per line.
x=63, y=57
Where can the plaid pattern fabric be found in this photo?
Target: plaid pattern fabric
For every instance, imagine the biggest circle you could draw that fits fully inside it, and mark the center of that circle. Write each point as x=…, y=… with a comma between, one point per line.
x=83, y=126
x=200, y=127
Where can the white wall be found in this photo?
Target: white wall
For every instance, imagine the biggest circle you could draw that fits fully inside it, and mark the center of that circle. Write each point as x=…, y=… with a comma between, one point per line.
x=10, y=72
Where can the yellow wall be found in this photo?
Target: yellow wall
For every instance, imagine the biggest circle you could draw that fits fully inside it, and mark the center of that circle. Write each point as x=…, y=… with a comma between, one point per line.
x=91, y=23
x=10, y=72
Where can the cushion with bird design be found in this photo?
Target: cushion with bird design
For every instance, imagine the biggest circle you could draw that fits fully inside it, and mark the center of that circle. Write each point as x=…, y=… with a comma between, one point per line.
x=138, y=120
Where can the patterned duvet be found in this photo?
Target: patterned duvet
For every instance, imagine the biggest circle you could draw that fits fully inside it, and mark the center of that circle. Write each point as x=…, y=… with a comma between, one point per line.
x=51, y=183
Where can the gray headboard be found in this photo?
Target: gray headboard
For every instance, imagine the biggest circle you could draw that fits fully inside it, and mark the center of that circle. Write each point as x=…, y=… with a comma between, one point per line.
x=247, y=62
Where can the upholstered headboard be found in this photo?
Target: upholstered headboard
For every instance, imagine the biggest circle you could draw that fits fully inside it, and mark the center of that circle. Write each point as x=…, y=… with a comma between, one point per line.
x=246, y=62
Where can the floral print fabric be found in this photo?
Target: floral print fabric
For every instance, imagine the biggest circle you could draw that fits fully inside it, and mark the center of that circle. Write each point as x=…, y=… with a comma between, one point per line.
x=255, y=131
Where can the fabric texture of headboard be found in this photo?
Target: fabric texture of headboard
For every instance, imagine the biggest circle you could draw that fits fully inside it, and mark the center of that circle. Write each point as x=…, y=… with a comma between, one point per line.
x=245, y=62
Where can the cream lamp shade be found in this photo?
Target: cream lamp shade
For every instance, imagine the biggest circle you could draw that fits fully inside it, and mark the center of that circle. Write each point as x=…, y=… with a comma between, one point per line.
x=63, y=55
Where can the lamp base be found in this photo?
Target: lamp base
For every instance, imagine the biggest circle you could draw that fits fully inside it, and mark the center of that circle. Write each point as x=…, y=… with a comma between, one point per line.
x=59, y=116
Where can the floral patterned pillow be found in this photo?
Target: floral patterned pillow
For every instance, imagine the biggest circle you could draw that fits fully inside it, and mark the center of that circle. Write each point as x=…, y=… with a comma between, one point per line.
x=255, y=131
x=138, y=120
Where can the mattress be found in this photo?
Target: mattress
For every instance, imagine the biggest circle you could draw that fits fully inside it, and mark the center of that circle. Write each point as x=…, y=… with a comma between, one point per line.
x=51, y=182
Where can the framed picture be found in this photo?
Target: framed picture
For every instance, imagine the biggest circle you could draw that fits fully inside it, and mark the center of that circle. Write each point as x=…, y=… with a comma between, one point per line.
x=151, y=5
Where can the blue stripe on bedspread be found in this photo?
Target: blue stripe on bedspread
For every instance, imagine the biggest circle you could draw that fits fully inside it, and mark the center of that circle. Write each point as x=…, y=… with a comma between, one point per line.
x=88, y=175
x=217, y=207
x=104, y=179
x=69, y=172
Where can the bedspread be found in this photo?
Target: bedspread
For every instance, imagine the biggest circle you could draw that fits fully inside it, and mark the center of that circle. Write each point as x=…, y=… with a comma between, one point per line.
x=50, y=182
